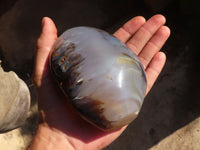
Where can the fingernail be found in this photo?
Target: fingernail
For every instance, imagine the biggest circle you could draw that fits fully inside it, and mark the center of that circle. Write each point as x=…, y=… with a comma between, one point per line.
x=43, y=22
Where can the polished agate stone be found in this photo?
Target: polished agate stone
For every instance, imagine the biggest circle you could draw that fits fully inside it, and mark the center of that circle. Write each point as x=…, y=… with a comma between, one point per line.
x=103, y=79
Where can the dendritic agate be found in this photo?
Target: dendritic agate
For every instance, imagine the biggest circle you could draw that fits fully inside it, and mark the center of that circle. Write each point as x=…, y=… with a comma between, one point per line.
x=103, y=79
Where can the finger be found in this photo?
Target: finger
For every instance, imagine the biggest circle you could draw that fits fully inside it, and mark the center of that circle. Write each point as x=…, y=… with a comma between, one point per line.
x=129, y=28
x=44, y=44
x=154, y=45
x=142, y=36
x=154, y=68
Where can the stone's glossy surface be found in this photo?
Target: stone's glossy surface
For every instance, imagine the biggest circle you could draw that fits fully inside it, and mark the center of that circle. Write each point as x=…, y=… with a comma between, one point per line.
x=14, y=101
x=101, y=76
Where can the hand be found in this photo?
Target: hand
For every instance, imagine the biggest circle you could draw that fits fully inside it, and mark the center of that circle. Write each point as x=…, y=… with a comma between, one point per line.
x=62, y=128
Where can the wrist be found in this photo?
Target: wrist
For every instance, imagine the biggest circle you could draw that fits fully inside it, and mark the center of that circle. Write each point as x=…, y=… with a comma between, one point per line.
x=48, y=138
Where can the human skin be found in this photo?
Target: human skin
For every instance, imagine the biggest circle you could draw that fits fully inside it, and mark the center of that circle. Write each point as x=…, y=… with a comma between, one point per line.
x=61, y=128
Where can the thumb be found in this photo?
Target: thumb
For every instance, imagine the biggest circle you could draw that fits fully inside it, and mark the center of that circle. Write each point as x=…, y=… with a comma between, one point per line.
x=45, y=42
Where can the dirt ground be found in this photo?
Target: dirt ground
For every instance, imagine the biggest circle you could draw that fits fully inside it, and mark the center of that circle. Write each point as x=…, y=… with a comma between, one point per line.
x=173, y=104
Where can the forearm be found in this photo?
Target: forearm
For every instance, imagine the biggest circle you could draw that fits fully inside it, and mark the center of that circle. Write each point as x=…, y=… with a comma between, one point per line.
x=49, y=139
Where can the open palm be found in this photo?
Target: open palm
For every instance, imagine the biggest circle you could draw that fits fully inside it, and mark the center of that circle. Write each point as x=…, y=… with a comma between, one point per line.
x=61, y=127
